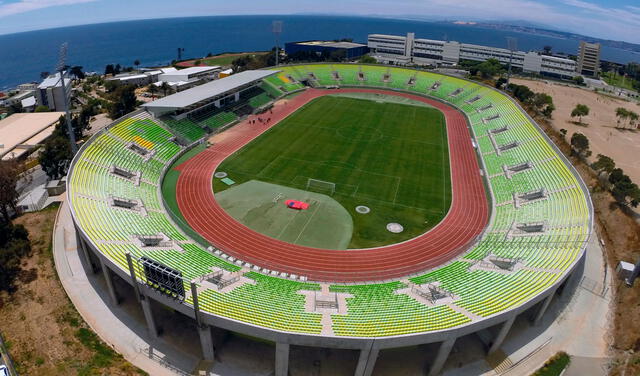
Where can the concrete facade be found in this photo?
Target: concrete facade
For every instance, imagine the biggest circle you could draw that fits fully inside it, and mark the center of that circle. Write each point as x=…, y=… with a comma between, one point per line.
x=409, y=50
x=369, y=347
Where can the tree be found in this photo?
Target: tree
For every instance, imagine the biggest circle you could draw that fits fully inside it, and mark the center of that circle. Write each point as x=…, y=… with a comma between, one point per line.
x=366, y=59
x=42, y=108
x=123, y=101
x=580, y=111
x=165, y=87
x=153, y=89
x=197, y=62
x=109, y=69
x=521, y=92
x=604, y=163
x=55, y=156
x=547, y=50
x=14, y=245
x=44, y=75
x=543, y=103
x=580, y=144
x=117, y=69
x=15, y=108
x=136, y=63
x=563, y=132
x=489, y=68
x=622, y=114
x=633, y=118
x=9, y=175
x=501, y=82
x=77, y=72
x=578, y=80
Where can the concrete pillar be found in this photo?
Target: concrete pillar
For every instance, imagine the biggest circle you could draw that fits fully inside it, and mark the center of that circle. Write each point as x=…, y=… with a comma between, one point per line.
x=145, y=302
x=441, y=357
x=366, y=361
x=108, y=277
x=502, y=334
x=237, y=96
x=85, y=259
x=206, y=341
x=543, y=308
x=282, y=359
x=573, y=280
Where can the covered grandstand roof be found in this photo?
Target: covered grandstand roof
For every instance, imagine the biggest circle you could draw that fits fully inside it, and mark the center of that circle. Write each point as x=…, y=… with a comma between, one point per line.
x=211, y=89
x=19, y=132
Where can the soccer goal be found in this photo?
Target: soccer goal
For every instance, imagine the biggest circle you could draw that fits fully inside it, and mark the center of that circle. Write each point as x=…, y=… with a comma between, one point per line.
x=321, y=186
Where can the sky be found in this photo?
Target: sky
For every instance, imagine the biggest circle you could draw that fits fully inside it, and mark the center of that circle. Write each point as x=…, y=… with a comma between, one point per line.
x=608, y=19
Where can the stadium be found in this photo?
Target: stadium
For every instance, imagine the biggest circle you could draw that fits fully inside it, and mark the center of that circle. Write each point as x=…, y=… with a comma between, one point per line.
x=492, y=218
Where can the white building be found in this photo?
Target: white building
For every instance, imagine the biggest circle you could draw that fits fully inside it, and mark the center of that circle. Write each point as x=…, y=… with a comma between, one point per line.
x=138, y=79
x=409, y=50
x=191, y=74
x=49, y=93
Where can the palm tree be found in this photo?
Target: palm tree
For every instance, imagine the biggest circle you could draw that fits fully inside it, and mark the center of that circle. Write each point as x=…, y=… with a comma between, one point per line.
x=136, y=63
x=633, y=118
x=165, y=87
x=153, y=89
x=621, y=114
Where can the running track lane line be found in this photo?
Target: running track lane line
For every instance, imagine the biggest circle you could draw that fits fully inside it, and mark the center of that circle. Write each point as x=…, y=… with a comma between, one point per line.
x=466, y=219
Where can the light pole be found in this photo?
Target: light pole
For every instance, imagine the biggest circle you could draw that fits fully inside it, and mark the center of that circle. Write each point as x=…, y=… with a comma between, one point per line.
x=61, y=68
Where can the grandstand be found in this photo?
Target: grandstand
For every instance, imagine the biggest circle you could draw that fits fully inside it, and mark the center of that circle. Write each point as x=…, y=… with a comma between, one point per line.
x=516, y=263
x=193, y=113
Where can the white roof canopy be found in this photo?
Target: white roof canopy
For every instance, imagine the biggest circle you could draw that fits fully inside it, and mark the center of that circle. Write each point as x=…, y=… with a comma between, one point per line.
x=210, y=89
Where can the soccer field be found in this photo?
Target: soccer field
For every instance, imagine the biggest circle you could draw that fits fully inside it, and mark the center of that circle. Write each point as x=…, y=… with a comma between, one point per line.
x=390, y=157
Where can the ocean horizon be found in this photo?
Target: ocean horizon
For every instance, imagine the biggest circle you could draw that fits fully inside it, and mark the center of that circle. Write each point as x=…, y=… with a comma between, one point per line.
x=23, y=56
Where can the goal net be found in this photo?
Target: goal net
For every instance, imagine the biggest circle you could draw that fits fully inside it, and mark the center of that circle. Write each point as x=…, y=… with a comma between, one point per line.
x=321, y=186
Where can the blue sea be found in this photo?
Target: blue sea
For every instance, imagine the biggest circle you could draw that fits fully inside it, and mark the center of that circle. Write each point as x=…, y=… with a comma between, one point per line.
x=24, y=55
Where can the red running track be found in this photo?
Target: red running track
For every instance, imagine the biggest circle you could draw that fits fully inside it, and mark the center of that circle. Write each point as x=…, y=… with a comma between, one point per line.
x=466, y=219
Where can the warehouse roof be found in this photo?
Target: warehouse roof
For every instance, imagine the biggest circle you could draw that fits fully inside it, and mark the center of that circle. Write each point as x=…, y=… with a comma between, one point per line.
x=19, y=132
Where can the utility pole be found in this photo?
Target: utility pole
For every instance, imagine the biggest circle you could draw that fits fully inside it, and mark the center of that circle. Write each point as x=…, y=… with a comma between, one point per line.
x=61, y=68
x=277, y=30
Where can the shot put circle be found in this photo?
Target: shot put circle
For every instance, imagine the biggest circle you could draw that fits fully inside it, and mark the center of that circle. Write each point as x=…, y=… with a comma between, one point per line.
x=220, y=175
x=396, y=228
x=361, y=209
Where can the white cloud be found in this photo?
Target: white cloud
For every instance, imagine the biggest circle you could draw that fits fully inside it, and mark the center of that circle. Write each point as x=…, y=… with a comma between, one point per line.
x=22, y=6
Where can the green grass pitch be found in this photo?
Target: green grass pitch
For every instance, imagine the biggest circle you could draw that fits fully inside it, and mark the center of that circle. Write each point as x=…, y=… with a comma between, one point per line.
x=390, y=157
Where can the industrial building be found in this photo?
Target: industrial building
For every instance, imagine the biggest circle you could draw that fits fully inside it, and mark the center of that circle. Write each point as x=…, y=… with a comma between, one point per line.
x=351, y=50
x=408, y=50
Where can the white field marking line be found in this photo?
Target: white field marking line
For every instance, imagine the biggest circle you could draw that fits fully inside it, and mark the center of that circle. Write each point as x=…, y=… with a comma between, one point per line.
x=395, y=196
x=444, y=190
x=295, y=214
x=259, y=174
x=307, y=223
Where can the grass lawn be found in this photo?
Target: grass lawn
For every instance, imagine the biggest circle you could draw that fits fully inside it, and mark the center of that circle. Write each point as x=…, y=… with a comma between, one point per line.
x=390, y=157
x=226, y=59
x=618, y=81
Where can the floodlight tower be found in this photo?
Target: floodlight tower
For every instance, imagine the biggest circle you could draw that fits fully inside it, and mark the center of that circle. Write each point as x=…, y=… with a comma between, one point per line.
x=512, y=45
x=276, y=28
x=61, y=68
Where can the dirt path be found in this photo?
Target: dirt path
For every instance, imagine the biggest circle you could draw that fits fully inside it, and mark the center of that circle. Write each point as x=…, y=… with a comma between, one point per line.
x=621, y=145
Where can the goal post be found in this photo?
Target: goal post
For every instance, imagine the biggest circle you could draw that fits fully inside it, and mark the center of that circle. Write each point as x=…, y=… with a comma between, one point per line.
x=321, y=186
